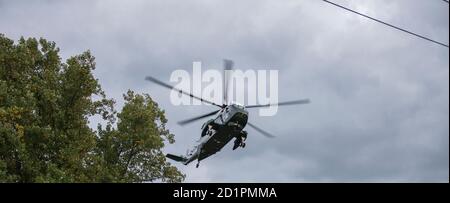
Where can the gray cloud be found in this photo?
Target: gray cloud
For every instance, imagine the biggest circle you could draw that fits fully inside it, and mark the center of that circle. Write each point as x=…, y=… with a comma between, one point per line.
x=380, y=97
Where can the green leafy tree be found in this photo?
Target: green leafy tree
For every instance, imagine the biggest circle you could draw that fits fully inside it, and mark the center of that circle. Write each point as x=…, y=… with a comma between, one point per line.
x=45, y=105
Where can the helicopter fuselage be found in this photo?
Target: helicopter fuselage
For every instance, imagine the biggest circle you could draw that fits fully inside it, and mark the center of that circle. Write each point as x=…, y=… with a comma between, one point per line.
x=216, y=133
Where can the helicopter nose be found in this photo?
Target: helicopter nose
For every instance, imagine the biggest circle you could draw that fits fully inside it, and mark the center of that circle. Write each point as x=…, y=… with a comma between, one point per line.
x=241, y=118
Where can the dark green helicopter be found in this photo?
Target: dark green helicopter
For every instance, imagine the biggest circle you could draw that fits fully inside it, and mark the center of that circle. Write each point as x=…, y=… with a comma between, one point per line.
x=229, y=122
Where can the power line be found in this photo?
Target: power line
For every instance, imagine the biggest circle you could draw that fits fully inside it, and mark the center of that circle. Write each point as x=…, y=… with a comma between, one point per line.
x=390, y=25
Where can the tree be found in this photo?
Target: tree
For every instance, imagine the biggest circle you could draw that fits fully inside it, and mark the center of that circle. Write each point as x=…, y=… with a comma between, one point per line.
x=45, y=105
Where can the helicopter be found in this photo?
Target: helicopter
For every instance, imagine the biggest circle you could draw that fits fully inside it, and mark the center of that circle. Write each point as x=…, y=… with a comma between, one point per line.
x=229, y=122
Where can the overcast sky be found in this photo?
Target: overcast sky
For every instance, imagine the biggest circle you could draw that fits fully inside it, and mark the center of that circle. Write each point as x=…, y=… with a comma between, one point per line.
x=380, y=97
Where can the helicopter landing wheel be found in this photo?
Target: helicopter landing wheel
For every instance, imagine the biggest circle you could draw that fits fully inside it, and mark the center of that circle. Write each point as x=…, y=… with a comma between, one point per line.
x=243, y=145
x=198, y=164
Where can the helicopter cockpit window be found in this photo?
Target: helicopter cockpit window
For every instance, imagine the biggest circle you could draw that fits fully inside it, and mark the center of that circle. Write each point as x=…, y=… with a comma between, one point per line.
x=225, y=115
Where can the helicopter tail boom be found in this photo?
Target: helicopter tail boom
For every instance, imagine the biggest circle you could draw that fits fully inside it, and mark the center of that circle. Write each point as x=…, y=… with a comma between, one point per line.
x=176, y=158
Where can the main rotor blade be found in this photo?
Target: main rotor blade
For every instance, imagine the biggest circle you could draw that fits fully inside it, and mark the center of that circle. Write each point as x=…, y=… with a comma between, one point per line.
x=152, y=79
x=260, y=130
x=227, y=65
x=302, y=101
x=184, y=122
